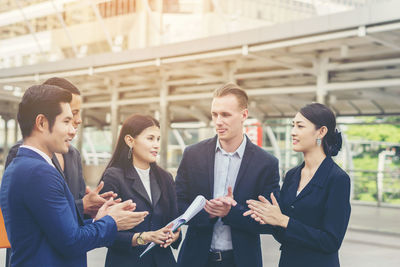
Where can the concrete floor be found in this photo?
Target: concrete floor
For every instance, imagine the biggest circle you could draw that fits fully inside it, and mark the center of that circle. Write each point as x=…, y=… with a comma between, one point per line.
x=359, y=249
x=373, y=239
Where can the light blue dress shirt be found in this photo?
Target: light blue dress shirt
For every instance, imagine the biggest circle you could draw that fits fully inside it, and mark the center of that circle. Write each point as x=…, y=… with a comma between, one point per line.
x=226, y=169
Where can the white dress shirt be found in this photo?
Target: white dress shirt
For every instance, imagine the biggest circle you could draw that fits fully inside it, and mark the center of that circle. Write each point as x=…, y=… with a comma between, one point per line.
x=226, y=169
x=145, y=178
x=41, y=153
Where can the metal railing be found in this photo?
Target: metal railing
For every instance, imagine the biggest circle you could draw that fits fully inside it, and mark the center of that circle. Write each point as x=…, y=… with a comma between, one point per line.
x=369, y=189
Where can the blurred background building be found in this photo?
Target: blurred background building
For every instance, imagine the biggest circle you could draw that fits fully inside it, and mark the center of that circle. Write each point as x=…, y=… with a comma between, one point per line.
x=165, y=58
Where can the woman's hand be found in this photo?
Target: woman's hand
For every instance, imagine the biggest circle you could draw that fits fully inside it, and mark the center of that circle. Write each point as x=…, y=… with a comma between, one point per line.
x=172, y=237
x=266, y=213
x=160, y=236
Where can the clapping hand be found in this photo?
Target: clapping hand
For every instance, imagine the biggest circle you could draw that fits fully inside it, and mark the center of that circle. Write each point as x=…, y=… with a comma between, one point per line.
x=92, y=201
x=266, y=212
x=122, y=213
x=220, y=207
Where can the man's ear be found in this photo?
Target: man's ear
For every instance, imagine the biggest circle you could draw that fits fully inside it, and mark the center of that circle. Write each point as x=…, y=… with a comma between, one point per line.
x=41, y=123
x=245, y=114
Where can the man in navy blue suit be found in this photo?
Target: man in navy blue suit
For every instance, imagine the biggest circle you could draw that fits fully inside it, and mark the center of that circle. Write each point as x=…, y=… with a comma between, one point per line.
x=41, y=219
x=227, y=169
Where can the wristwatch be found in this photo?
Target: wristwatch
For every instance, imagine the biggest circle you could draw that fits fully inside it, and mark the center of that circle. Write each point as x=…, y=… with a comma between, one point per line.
x=140, y=240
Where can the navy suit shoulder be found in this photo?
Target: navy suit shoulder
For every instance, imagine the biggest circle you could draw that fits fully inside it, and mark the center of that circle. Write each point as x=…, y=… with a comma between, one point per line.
x=319, y=216
x=72, y=174
x=42, y=222
x=338, y=174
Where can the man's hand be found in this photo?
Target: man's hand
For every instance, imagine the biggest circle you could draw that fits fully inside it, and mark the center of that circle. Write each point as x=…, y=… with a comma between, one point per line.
x=220, y=207
x=103, y=211
x=124, y=215
x=92, y=201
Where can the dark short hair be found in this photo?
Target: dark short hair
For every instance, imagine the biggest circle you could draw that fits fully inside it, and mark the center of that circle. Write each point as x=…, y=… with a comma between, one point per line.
x=64, y=84
x=235, y=90
x=40, y=99
x=320, y=115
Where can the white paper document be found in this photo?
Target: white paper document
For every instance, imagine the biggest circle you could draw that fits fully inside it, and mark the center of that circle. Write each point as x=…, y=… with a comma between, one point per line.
x=197, y=205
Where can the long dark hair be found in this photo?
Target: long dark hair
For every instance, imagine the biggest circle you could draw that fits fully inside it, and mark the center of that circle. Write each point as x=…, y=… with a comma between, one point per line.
x=320, y=115
x=134, y=126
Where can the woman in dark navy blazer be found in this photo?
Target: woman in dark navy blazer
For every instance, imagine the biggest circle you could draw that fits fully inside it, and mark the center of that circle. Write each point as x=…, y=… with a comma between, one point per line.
x=314, y=208
x=133, y=174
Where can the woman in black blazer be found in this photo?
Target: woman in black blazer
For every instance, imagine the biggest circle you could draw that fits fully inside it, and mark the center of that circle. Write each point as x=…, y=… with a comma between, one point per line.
x=314, y=208
x=133, y=174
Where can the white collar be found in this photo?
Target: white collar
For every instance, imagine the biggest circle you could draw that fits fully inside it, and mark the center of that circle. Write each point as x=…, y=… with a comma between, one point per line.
x=40, y=152
x=239, y=151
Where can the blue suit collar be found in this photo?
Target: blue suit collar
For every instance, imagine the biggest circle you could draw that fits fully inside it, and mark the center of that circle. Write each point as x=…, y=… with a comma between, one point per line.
x=26, y=152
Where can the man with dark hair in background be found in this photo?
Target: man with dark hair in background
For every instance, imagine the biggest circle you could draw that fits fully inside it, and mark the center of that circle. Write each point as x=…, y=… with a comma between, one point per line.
x=70, y=164
x=42, y=222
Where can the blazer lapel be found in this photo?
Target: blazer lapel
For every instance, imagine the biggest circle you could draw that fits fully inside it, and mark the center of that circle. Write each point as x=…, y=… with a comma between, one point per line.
x=294, y=184
x=155, y=187
x=210, y=164
x=246, y=161
x=80, y=217
x=137, y=184
x=306, y=191
x=318, y=179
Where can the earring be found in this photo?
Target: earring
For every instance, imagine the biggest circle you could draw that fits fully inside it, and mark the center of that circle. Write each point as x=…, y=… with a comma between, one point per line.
x=130, y=153
x=319, y=141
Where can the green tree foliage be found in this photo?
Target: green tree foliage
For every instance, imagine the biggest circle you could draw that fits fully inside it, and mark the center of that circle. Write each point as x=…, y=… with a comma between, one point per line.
x=381, y=132
x=367, y=162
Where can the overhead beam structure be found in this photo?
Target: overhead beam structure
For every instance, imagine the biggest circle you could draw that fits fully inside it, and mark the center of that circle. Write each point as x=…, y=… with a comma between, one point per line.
x=349, y=61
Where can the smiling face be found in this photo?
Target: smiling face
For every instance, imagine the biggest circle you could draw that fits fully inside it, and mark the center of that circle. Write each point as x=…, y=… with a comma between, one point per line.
x=145, y=147
x=228, y=118
x=76, y=110
x=304, y=134
x=58, y=139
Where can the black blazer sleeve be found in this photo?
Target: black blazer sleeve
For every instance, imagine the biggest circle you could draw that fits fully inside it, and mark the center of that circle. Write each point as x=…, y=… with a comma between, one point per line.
x=81, y=189
x=173, y=206
x=12, y=153
x=112, y=182
x=327, y=238
x=74, y=177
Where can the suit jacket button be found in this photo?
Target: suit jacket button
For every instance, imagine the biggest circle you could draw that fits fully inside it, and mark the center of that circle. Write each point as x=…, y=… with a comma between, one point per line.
x=292, y=207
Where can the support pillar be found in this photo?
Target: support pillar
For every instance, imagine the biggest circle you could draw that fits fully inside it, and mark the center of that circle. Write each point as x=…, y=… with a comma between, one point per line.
x=114, y=117
x=5, y=143
x=348, y=162
x=164, y=121
x=288, y=147
x=320, y=66
x=16, y=126
x=230, y=70
x=275, y=146
x=79, y=134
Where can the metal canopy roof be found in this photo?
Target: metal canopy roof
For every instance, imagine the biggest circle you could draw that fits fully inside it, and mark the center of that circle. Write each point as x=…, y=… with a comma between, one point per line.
x=350, y=61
